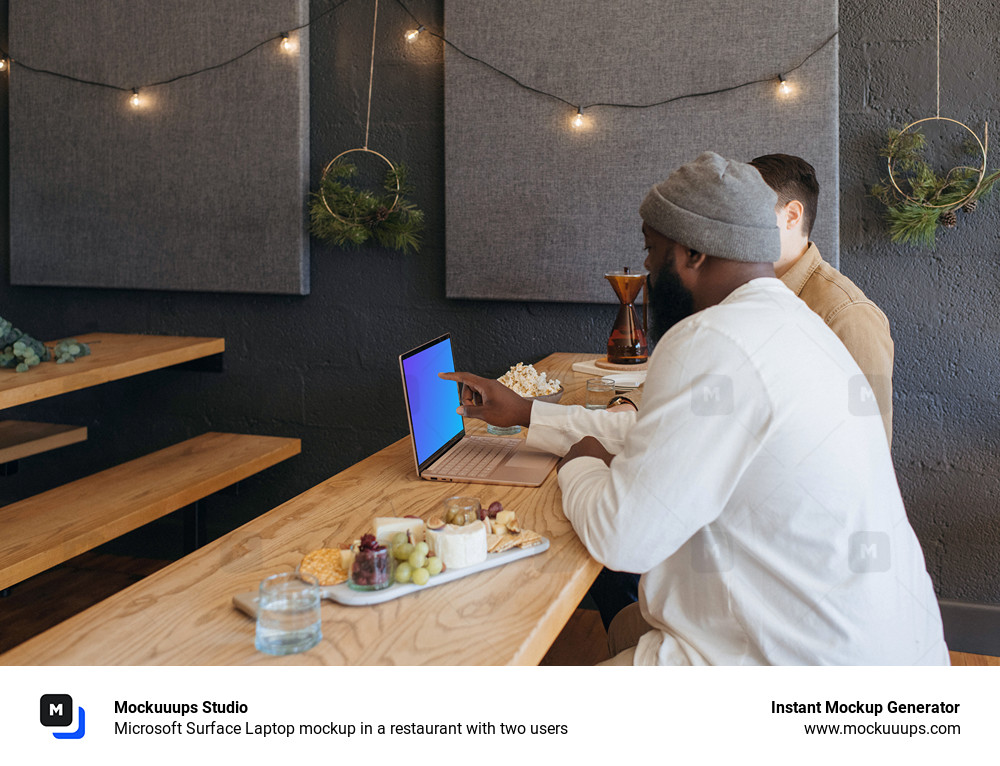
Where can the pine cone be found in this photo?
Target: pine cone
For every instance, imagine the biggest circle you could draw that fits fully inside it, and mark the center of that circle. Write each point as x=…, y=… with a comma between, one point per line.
x=382, y=213
x=948, y=219
x=970, y=206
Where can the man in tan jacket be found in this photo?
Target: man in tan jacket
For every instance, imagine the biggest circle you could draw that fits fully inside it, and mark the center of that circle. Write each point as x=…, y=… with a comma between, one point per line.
x=859, y=323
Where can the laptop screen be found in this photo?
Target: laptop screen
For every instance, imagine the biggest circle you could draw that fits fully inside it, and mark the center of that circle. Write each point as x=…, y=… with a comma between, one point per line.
x=430, y=400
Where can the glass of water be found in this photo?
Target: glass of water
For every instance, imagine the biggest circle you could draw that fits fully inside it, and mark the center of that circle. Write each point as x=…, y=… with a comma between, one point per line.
x=599, y=392
x=288, y=619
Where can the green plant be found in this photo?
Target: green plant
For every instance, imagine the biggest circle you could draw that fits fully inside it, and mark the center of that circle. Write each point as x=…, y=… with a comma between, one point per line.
x=356, y=216
x=927, y=200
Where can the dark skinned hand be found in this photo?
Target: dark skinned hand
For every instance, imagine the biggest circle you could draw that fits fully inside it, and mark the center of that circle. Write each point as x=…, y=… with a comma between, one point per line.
x=588, y=446
x=490, y=400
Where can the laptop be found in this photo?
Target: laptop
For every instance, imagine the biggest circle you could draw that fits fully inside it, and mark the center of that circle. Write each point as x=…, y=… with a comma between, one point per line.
x=441, y=448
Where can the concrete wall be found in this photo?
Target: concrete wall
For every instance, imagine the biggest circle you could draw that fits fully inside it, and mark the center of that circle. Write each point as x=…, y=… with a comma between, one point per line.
x=323, y=367
x=942, y=302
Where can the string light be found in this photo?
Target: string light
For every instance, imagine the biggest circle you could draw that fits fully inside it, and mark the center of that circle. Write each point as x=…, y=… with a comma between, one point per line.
x=288, y=43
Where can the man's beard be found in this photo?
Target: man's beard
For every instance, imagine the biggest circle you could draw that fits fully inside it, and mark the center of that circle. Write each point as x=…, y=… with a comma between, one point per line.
x=669, y=300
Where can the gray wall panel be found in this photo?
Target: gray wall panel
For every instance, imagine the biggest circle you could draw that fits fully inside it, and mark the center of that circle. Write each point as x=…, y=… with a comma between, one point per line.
x=537, y=210
x=201, y=188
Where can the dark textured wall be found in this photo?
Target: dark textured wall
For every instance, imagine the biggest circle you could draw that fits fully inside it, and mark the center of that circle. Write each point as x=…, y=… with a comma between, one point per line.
x=941, y=303
x=323, y=367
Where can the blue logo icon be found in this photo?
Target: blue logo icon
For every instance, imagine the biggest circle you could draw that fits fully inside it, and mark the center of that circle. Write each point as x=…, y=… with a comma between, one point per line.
x=57, y=710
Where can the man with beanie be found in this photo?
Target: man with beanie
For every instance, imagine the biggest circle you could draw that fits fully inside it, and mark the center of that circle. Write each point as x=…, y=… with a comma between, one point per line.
x=763, y=513
x=856, y=320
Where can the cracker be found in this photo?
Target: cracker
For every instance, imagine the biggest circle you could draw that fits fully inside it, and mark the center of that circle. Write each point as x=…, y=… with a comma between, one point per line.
x=505, y=543
x=528, y=538
x=325, y=565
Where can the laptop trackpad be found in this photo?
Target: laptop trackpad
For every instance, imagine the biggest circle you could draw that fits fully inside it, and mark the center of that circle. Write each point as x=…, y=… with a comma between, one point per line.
x=527, y=458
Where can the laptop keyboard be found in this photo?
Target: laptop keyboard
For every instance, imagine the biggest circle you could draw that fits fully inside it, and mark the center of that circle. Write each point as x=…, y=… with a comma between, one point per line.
x=472, y=457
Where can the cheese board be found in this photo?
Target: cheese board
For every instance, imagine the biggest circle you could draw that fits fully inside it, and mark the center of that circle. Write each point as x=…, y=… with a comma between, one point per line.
x=347, y=596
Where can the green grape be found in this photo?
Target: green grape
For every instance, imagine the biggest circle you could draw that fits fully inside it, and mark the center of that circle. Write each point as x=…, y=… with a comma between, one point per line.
x=434, y=565
x=402, y=552
x=403, y=572
x=422, y=548
x=420, y=576
x=400, y=538
x=417, y=559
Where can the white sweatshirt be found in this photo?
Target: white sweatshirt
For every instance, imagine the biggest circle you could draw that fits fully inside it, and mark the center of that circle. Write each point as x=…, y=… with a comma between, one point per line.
x=756, y=493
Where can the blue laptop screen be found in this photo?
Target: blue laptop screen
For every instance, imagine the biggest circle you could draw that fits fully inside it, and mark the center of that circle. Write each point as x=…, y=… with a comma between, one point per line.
x=432, y=401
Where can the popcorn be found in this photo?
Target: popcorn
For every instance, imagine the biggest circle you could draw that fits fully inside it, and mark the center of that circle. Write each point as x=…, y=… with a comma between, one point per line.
x=525, y=380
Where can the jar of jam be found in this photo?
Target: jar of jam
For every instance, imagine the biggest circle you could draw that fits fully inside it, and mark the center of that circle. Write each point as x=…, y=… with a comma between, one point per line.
x=372, y=567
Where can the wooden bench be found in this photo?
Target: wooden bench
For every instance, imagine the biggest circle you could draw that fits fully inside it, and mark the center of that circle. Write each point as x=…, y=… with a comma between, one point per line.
x=54, y=526
x=21, y=438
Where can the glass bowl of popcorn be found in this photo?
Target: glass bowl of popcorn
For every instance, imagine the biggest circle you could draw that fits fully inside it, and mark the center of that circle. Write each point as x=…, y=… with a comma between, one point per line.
x=525, y=380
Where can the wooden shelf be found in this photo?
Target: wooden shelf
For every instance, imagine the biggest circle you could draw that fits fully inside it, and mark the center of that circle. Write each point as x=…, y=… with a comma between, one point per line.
x=54, y=526
x=113, y=356
x=21, y=438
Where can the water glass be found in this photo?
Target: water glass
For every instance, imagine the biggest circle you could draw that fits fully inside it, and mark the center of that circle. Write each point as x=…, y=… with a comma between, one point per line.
x=288, y=619
x=599, y=393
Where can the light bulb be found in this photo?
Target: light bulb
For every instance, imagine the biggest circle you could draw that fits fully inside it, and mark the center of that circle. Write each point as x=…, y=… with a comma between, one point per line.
x=3, y=65
x=578, y=120
x=783, y=87
x=134, y=99
x=413, y=34
x=287, y=44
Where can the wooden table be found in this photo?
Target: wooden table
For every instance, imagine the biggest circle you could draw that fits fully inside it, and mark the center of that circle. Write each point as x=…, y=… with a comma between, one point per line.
x=117, y=356
x=183, y=614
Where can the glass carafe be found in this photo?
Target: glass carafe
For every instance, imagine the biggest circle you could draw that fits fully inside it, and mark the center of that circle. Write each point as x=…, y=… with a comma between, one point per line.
x=627, y=343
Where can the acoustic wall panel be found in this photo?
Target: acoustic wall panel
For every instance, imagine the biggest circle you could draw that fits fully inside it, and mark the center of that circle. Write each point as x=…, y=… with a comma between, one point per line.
x=202, y=187
x=539, y=210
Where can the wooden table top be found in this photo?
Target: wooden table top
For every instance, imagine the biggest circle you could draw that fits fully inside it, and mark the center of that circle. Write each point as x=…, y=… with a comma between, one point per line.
x=113, y=356
x=183, y=614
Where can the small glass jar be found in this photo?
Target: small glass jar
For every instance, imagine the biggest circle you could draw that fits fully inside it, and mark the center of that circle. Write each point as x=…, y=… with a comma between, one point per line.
x=461, y=510
x=371, y=570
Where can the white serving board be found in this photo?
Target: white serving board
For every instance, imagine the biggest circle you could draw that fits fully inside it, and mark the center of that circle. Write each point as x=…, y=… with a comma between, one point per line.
x=344, y=594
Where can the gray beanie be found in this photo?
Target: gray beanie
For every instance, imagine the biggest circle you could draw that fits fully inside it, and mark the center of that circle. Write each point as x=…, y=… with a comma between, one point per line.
x=718, y=207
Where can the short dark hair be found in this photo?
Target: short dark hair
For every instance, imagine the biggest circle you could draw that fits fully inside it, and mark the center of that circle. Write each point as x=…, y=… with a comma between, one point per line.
x=792, y=178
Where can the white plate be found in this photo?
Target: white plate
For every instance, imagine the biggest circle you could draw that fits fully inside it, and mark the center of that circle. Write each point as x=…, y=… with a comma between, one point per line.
x=344, y=594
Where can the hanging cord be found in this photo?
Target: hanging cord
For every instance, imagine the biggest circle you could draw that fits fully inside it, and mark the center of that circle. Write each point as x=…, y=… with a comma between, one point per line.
x=371, y=75
x=938, y=88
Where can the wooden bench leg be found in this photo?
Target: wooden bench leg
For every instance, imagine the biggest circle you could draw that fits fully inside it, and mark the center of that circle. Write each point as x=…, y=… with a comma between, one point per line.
x=195, y=528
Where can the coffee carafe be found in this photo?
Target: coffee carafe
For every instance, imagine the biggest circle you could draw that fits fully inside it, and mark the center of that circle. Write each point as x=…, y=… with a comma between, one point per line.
x=627, y=343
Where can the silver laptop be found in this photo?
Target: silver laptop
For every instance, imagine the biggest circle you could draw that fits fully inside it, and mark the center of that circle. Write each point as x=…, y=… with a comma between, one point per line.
x=441, y=448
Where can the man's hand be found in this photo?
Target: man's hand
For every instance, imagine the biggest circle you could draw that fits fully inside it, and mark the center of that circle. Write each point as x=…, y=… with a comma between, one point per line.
x=588, y=446
x=490, y=400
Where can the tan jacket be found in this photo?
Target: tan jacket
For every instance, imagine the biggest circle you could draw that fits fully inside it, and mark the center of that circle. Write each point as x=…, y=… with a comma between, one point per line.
x=859, y=323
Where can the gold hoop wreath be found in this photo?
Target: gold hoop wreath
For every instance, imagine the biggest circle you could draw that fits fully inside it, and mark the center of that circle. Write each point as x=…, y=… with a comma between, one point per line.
x=983, y=146
x=331, y=163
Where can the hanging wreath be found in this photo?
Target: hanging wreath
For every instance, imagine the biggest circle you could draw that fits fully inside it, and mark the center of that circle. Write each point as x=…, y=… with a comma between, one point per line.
x=929, y=200
x=348, y=217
